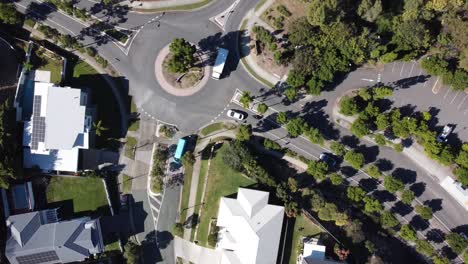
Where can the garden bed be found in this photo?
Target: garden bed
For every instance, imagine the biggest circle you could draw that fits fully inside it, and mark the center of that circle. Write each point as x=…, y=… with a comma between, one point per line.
x=182, y=80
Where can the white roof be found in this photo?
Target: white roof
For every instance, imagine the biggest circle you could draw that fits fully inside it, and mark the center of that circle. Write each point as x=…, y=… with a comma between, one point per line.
x=58, y=160
x=250, y=228
x=312, y=250
x=456, y=190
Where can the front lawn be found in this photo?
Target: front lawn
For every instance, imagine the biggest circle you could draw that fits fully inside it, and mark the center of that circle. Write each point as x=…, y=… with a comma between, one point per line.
x=126, y=183
x=222, y=181
x=129, y=147
x=303, y=227
x=77, y=195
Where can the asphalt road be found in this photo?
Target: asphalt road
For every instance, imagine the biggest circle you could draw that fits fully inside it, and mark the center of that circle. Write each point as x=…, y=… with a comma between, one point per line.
x=135, y=61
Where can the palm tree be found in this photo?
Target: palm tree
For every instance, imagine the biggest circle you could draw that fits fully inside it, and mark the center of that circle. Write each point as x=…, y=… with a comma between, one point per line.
x=99, y=128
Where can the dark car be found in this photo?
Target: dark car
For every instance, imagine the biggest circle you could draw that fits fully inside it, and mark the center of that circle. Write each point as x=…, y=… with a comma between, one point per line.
x=327, y=158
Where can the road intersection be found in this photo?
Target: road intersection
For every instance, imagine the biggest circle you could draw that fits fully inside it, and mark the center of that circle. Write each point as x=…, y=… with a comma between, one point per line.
x=151, y=32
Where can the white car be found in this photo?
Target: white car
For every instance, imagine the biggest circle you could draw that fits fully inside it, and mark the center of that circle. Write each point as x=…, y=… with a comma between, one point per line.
x=445, y=133
x=236, y=115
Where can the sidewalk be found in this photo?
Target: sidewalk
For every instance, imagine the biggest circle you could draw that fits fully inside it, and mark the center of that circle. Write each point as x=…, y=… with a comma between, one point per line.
x=162, y=4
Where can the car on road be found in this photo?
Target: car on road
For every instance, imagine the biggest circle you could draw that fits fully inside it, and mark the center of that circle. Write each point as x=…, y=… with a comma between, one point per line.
x=327, y=158
x=442, y=137
x=235, y=114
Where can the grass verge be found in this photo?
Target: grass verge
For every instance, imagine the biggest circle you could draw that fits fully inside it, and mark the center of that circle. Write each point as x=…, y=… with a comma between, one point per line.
x=201, y=182
x=114, y=246
x=129, y=147
x=188, y=7
x=211, y=128
x=81, y=194
x=126, y=183
x=222, y=181
x=134, y=126
x=260, y=4
x=254, y=74
x=186, y=193
x=303, y=227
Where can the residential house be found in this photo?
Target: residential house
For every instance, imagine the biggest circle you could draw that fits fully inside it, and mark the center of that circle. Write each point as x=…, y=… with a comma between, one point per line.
x=250, y=228
x=40, y=238
x=314, y=253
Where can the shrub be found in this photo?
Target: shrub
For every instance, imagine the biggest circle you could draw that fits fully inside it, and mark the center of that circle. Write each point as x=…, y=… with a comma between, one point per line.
x=380, y=140
x=290, y=94
x=348, y=106
x=457, y=242
x=354, y=231
x=424, y=211
x=389, y=57
x=393, y=184
x=283, y=10
x=336, y=179
x=425, y=248
x=263, y=35
x=178, y=229
x=382, y=92
x=398, y=147
x=360, y=127
x=262, y=108
x=388, y=220
x=317, y=169
x=281, y=118
x=246, y=99
x=296, y=126
x=373, y=171
x=270, y=144
x=408, y=233
x=338, y=148
x=244, y=133
x=314, y=86
x=355, y=159
x=407, y=197
x=101, y=61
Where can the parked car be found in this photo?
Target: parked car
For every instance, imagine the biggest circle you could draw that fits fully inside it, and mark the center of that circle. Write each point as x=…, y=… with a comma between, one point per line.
x=327, y=158
x=235, y=114
x=442, y=137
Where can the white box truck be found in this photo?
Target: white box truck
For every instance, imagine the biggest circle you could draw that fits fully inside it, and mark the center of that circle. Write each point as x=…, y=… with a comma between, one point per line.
x=219, y=63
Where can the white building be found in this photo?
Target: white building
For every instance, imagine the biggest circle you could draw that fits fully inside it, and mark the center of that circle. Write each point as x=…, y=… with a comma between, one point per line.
x=250, y=228
x=314, y=253
x=58, y=128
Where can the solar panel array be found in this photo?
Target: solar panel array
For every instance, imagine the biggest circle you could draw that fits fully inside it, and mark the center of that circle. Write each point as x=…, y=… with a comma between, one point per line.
x=38, y=123
x=36, y=258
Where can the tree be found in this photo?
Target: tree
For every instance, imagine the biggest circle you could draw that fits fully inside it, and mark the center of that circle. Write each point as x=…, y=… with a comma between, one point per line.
x=132, y=252
x=355, y=159
x=235, y=155
x=295, y=78
x=317, y=169
x=8, y=14
x=338, y=148
x=373, y=171
x=182, y=55
x=393, y=184
x=364, y=93
x=355, y=194
x=381, y=121
x=335, y=178
x=314, y=86
x=407, y=196
x=370, y=246
x=425, y=248
x=317, y=202
x=296, y=127
x=328, y=212
x=270, y=144
x=188, y=159
x=322, y=12
x=424, y=211
x=178, y=229
x=99, y=128
x=290, y=94
x=314, y=136
x=360, y=127
x=354, y=231
x=372, y=205
x=292, y=184
x=370, y=9
x=246, y=99
x=244, y=133
x=382, y=92
x=408, y=233
x=380, y=140
x=465, y=257
x=281, y=118
x=27, y=66
x=262, y=108
x=457, y=242
x=348, y=106
x=388, y=220
x=440, y=260
x=411, y=35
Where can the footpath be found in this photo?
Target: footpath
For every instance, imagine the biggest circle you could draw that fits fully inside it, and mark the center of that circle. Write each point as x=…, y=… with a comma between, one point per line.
x=166, y=4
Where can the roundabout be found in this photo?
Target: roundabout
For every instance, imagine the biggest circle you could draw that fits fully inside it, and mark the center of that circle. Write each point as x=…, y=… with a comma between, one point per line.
x=185, y=84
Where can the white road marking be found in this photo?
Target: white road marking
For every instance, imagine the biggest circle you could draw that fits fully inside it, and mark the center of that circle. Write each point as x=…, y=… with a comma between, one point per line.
x=433, y=91
x=379, y=77
x=451, y=102
x=411, y=71
x=463, y=100
x=446, y=93
x=393, y=66
x=402, y=67
x=369, y=80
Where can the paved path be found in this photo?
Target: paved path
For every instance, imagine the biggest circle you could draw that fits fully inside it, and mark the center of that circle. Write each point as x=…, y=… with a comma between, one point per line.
x=195, y=253
x=193, y=194
x=160, y=4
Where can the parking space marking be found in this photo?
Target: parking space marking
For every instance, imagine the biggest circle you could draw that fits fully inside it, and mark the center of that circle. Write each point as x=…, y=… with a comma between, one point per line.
x=419, y=74
x=402, y=67
x=393, y=66
x=446, y=93
x=411, y=71
x=461, y=103
x=433, y=87
x=451, y=102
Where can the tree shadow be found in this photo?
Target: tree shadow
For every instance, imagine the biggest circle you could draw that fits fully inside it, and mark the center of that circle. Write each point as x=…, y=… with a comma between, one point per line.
x=38, y=11
x=151, y=252
x=418, y=223
x=384, y=164
x=448, y=252
x=435, y=235
x=139, y=216
x=418, y=188
x=370, y=152
x=314, y=114
x=348, y=171
x=401, y=208
x=384, y=196
x=368, y=184
x=112, y=13
x=350, y=141
x=405, y=175
x=434, y=204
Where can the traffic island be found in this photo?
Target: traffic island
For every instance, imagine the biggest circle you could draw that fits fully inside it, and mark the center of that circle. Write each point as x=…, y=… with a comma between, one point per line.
x=181, y=84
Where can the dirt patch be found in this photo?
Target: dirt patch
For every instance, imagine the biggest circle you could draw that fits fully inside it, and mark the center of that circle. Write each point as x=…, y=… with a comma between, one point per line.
x=181, y=80
x=273, y=14
x=265, y=60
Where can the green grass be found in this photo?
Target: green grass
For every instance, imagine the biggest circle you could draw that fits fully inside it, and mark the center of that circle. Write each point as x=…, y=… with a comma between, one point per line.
x=107, y=107
x=85, y=194
x=55, y=68
x=134, y=126
x=129, y=147
x=126, y=183
x=186, y=193
x=175, y=8
x=308, y=228
x=260, y=4
x=133, y=107
x=29, y=22
x=222, y=181
x=254, y=74
x=114, y=246
x=211, y=128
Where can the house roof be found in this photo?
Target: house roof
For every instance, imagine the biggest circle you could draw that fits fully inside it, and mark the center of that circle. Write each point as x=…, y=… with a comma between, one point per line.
x=35, y=234
x=251, y=228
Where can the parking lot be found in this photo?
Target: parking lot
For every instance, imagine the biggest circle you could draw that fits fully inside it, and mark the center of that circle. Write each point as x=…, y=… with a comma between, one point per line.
x=417, y=90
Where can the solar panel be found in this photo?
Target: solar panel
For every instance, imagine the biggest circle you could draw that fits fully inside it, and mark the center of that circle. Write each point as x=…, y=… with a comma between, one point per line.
x=38, y=123
x=42, y=257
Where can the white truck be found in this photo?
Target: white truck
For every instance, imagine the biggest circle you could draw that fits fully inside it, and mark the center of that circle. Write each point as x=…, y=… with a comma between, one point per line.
x=219, y=63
